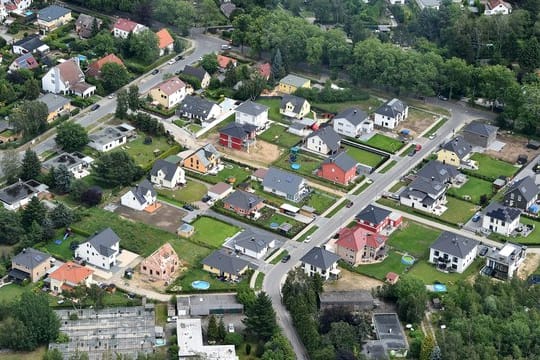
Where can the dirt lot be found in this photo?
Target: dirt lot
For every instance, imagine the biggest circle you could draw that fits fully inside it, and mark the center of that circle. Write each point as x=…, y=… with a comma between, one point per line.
x=515, y=145
x=529, y=266
x=417, y=121
x=352, y=281
x=166, y=217
x=146, y=282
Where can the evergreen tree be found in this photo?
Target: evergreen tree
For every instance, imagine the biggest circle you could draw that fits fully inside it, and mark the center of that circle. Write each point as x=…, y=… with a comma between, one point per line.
x=428, y=345
x=260, y=318
x=95, y=28
x=278, y=68
x=230, y=75
x=436, y=353
x=11, y=231
x=62, y=179
x=31, y=166
x=61, y=216
x=213, y=331
x=222, y=332
x=33, y=236
x=34, y=211
x=121, y=104
x=133, y=98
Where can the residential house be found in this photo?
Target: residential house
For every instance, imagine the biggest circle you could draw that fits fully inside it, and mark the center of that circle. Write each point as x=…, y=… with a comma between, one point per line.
x=455, y=152
x=14, y=6
x=501, y=219
x=285, y=184
x=478, y=133
x=30, y=44
x=453, y=252
x=220, y=191
x=503, y=263
x=57, y=105
x=252, y=113
x=100, y=250
x=78, y=164
x=391, y=341
x=169, y=93
x=424, y=194
x=52, y=17
x=339, y=168
x=225, y=265
x=253, y=245
x=195, y=107
x=141, y=197
x=497, y=7
x=25, y=61
x=123, y=27
x=259, y=174
x=428, y=4
x=323, y=141
x=190, y=342
x=357, y=245
x=302, y=127
x=294, y=107
x=68, y=276
x=224, y=61
x=94, y=69
x=238, y=136
x=291, y=83
x=203, y=160
x=86, y=25
x=376, y=219
x=243, y=203
x=19, y=194
x=30, y=264
x=67, y=78
x=352, y=122
x=265, y=70
x=442, y=173
x=320, y=261
x=391, y=113
x=167, y=174
x=227, y=9
x=161, y=264
x=165, y=42
x=352, y=301
x=522, y=194
x=110, y=137
x=198, y=73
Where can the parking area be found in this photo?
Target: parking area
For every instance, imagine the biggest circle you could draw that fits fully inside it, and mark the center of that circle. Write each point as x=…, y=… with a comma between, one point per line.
x=167, y=217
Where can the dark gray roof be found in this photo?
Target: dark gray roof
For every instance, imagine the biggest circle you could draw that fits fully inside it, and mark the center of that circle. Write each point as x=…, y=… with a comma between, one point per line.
x=479, y=128
x=454, y=244
x=251, y=242
x=342, y=160
x=16, y=192
x=297, y=102
x=103, y=241
x=205, y=152
x=422, y=188
x=167, y=167
x=440, y=172
x=328, y=136
x=85, y=23
x=53, y=101
x=320, y=258
x=373, y=214
x=142, y=189
x=392, y=108
x=197, y=72
x=226, y=263
x=294, y=80
x=283, y=181
x=252, y=108
x=237, y=130
x=499, y=211
x=31, y=258
x=526, y=187
x=29, y=43
x=52, y=12
x=458, y=145
x=354, y=115
x=242, y=199
x=195, y=105
x=4, y=125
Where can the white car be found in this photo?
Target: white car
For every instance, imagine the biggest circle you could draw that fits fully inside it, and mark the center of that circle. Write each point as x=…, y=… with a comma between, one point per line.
x=230, y=328
x=308, y=239
x=170, y=62
x=172, y=319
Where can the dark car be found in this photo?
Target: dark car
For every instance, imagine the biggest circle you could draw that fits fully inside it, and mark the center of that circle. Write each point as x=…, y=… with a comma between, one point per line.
x=286, y=258
x=412, y=152
x=95, y=107
x=188, y=207
x=350, y=204
x=178, y=57
x=476, y=218
x=484, y=251
x=155, y=71
x=205, y=198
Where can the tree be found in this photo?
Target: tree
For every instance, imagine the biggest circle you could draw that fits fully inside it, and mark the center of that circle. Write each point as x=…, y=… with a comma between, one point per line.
x=260, y=318
x=10, y=165
x=94, y=30
x=278, y=69
x=133, y=98
x=230, y=76
x=411, y=297
x=222, y=332
x=53, y=354
x=279, y=348
x=436, y=353
x=209, y=63
x=343, y=336
x=30, y=118
x=143, y=46
x=34, y=235
x=235, y=339
x=428, y=345
x=62, y=179
x=529, y=54
x=92, y=196
x=122, y=104
x=71, y=136
x=113, y=76
x=11, y=231
x=61, y=216
x=96, y=294
x=116, y=168
x=31, y=89
x=103, y=43
x=245, y=295
x=212, y=333
x=34, y=211
x=251, y=88
x=15, y=335
x=31, y=166
x=178, y=45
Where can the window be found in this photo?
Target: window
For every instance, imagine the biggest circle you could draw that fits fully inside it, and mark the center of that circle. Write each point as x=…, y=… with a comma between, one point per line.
x=436, y=253
x=454, y=259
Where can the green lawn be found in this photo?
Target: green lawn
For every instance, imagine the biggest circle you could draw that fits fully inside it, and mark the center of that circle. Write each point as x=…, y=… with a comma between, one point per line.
x=186, y=278
x=320, y=201
x=11, y=292
x=337, y=209
x=363, y=156
x=379, y=270
x=493, y=168
x=269, y=216
x=62, y=251
x=308, y=233
x=273, y=104
x=414, y=239
x=368, y=105
x=143, y=154
x=212, y=232
x=474, y=187
x=397, y=186
x=279, y=257
x=407, y=150
x=259, y=281
x=235, y=171
x=459, y=211
x=388, y=167
x=191, y=192
x=179, y=123
x=194, y=128
x=308, y=163
x=385, y=143
x=532, y=238
x=429, y=274
x=362, y=188
x=278, y=134
x=436, y=127
x=161, y=314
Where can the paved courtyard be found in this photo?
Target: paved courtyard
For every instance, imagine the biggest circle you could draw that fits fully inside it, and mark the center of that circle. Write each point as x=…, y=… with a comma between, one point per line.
x=167, y=217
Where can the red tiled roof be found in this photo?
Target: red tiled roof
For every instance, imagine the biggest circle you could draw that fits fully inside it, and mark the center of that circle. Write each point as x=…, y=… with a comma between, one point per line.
x=357, y=238
x=265, y=70
x=125, y=25
x=170, y=86
x=71, y=273
x=494, y=3
x=392, y=276
x=11, y=6
x=223, y=61
x=95, y=68
x=165, y=39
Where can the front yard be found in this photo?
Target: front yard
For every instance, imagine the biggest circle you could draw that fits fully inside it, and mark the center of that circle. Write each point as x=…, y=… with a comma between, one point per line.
x=493, y=168
x=191, y=192
x=474, y=188
x=413, y=238
x=278, y=134
x=212, y=232
x=363, y=156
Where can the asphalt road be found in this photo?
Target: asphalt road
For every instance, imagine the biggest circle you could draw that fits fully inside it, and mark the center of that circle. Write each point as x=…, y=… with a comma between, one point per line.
x=274, y=278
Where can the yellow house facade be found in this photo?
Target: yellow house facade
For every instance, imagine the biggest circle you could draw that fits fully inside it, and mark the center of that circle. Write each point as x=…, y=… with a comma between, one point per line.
x=295, y=107
x=290, y=83
x=455, y=152
x=448, y=157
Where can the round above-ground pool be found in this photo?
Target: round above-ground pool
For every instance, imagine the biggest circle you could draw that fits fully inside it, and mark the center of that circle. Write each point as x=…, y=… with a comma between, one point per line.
x=295, y=166
x=200, y=285
x=407, y=259
x=274, y=225
x=439, y=287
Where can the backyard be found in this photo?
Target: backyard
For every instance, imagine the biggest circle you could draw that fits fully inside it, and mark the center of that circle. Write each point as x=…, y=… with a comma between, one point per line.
x=278, y=134
x=273, y=104
x=191, y=192
x=475, y=188
x=10, y=292
x=185, y=279
x=212, y=232
x=145, y=154
x=368, y=105
x=308, y=163
x=270, y=218
x=413, y=238
x=493, y=168
x=385, y=143
x=62, y=251
x=363, y=156
x=230, y=171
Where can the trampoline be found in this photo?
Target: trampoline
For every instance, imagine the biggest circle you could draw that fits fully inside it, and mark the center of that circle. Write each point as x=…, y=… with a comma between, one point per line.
x=200, y=285
x=407, y=259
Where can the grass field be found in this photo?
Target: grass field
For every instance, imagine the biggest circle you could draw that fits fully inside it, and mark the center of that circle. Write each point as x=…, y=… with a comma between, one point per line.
x=319, y=201
x=379, y=270
x=277, y=134
x=270, y=216
x=388, y=167
x=363, y=156
x=368, y=105
x=10, y=292
x=186, y=278
x=143, y=154
x=414, y=239
x=238, y=172
x=308, y=163
x=385, y=143
x=429, y=275
x=212, y=232
x=62, y=251
x=459, y=211
x=32, y=355
x=273, y=104
x=189, y=193
x=490, y=167
x=474, y=187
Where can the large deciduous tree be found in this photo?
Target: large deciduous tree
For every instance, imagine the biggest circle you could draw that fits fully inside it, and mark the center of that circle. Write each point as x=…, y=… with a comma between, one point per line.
x=116, y=168
x=71, y=136
x=122, y=104
x=114, y=76
x=10, y=163
x=30, y=117
x=143, y=46
x=209, y=63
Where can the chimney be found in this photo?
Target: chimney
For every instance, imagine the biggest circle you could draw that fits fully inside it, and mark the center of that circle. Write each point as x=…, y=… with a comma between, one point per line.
x=355, y=111
x=433, y=178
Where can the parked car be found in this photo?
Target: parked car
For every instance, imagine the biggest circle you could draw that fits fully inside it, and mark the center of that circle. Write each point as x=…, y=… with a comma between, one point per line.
x=188, y=207
x=170, y=62
x=308, y=239
x=178, y=57
x=443, y=98
x=172, y=319
x=286, y=258
x=205, y=198
x=155, y=71
x=230, y=328
x=412, y=152
x=484, y=251
x=476, y=217
x=432, y=136
x=95, y=107
x=226, y=47
x=350, y=204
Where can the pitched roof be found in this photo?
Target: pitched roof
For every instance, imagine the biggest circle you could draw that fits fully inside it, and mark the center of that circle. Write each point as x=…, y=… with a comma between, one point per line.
x=85, y=22
x=357, y=238
x=459, y=146
x=492, y=4
x=479, y=128
x=296, y=101
x=170, y=86
x=168, y=168
x=104, y=241
x=26, y=61
x=454, y=244
x=353, y=115
x=165, y=39
x=265, y=70
x=328, y=136
x=142, y=189
x=226, y=263
x=125, y=25
x=243, y=200
x=320, y=258
x=224, y=61
x=71, y=273
x=29, y=43
x=162, y=256
x=499, y=211
x=238, y=131
x=342, y=160
x=197, y=72
x=227, y=9
x=373, y=214
x=30, y=258
x=197, y=106
x=392, y=108
x=52, y=12
x=283, y=181
x=94, y=68
x=204, y=153
x=53, y=101
x=526, y=187
x=70, y=72
x=438, y=171
x=294, y=80
x=252, y=108
x=425, y=189
x=250, y=240
x=220, y=188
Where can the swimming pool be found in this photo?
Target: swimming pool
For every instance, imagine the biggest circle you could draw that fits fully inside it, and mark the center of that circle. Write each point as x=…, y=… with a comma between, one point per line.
x=439, y=287
x=200, y=285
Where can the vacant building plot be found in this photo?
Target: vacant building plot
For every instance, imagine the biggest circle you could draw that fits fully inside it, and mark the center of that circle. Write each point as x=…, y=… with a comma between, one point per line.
x=167, y=217
x=514, y=146
x=418, y=121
